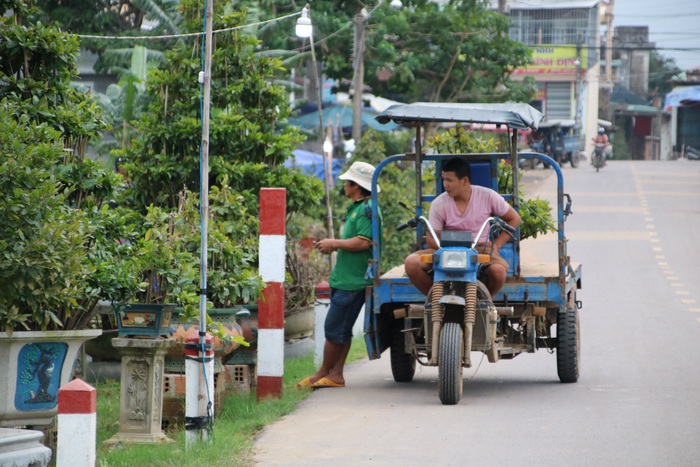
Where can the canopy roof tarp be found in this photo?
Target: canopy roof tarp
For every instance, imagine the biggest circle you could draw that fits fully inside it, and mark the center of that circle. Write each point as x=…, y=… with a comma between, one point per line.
x=519, y=116
x=557, y=123
x=682, y=96
x=331, y=115
x=311, y=164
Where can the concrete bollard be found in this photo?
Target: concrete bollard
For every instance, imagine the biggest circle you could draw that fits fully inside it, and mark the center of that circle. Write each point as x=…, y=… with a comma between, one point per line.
x=321, y=305
x=273, y=207
x=77, y=425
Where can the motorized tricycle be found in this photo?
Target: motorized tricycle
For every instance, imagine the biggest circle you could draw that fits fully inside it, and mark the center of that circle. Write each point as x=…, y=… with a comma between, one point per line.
x=559, y=140
x=537, y=307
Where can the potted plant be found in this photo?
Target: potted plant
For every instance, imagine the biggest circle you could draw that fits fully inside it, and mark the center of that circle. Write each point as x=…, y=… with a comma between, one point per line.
x=58, y=256
x=166, y=269
x=232, y=276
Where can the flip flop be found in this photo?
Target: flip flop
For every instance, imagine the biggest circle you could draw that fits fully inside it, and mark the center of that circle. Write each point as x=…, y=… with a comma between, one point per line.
x=304, y=385
x=327, y=383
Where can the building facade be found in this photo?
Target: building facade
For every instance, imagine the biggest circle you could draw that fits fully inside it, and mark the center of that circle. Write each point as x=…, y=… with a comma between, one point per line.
x=565, y=38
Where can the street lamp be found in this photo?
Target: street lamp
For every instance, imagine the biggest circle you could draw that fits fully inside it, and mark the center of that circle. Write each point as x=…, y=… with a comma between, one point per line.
x=359, y=66
x=304, y=28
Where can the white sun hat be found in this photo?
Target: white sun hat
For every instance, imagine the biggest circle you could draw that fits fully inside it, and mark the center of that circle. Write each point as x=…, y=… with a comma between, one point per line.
x=360, y=173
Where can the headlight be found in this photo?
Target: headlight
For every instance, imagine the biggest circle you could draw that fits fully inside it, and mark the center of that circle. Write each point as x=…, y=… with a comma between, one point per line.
x=454, y=259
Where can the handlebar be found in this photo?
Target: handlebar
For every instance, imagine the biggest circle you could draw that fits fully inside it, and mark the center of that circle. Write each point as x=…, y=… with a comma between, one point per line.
x=413, y=222
x=409, y=223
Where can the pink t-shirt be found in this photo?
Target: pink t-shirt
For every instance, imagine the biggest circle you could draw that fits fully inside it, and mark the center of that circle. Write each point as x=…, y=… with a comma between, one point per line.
x=483, y=203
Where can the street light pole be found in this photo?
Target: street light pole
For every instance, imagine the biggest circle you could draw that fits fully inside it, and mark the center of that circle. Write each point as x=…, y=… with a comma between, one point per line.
x=304, y=29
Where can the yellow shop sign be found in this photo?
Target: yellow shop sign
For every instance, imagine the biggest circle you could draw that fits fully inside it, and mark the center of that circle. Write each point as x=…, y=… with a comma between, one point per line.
x=553, y=59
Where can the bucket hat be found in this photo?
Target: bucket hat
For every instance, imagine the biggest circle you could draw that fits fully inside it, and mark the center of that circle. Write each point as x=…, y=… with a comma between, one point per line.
x=360, y=173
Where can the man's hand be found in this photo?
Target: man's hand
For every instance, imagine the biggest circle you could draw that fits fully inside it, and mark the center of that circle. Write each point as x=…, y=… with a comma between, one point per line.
x=325, y=246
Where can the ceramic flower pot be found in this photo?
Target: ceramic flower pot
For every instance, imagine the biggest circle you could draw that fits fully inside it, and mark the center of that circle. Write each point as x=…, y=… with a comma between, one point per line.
x=34, y=365
x=144, y=319
x=223, y=349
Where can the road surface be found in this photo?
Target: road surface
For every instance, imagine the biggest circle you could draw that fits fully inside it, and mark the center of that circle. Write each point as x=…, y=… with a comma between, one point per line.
x=636, y=230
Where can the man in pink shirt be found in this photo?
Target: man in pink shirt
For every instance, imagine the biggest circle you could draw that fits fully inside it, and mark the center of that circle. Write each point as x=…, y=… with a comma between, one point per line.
x=465, y=207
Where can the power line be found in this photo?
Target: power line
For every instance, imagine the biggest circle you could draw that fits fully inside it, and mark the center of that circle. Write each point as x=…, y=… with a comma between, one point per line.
x=191, y=34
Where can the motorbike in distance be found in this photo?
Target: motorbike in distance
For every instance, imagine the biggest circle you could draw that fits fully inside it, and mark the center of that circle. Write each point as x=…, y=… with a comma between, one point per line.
x=599, y=156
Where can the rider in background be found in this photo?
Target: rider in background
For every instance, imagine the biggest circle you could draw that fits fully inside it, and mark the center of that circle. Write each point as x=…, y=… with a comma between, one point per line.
x=602, y=138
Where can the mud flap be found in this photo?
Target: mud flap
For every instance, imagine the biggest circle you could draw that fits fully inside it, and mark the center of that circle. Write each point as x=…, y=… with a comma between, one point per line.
x=372, y=334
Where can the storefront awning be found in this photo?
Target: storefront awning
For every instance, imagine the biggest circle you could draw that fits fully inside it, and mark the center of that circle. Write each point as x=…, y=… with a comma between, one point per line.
x=679, y=97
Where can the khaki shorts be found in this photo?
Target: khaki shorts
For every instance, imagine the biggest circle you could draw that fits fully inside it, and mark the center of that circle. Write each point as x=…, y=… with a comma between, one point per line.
x=485, y=248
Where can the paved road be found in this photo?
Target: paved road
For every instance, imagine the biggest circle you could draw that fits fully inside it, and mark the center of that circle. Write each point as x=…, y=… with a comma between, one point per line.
x=636, y=230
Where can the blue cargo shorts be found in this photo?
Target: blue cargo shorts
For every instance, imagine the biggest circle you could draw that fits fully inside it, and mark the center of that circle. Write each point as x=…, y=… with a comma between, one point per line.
x=343, y=312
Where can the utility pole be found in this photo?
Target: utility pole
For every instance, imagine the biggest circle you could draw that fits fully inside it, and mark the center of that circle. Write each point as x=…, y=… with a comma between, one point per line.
x=579, y=78
x=358, y=76
x=199, y=375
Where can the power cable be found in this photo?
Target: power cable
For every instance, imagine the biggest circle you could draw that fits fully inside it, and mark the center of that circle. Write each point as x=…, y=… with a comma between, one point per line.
x=191, y=34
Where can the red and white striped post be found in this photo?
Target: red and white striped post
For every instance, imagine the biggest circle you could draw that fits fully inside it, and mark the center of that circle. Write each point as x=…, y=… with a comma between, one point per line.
x=273, y=213
x=77, y=425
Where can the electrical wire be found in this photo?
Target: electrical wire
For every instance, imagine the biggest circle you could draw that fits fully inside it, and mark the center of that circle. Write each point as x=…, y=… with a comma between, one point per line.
x=191, y=34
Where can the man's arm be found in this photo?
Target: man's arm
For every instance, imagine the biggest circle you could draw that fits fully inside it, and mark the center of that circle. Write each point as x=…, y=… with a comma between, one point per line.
x=512, y=218
x=329, y=245
x=432, y=244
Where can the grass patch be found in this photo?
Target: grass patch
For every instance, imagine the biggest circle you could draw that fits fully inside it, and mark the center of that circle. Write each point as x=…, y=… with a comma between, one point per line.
x=235, y=429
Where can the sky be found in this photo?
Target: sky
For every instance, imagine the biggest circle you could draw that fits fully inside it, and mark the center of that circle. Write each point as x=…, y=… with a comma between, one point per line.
x=673, y=24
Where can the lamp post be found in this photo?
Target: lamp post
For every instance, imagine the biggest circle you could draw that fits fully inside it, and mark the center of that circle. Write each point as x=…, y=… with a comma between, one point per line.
x=359, y=66
x=304, y=29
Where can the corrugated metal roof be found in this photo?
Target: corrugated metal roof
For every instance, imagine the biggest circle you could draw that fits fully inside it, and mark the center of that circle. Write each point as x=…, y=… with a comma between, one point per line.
x=520, y=116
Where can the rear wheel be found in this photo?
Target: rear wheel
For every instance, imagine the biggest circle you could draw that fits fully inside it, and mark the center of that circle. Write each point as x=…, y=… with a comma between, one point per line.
x=568, y=345
x=403, y=365
x=450, y=364
x=573, y=158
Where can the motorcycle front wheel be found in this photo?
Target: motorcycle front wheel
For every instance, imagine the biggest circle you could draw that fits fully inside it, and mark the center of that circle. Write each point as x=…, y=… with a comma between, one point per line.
x=450, y=364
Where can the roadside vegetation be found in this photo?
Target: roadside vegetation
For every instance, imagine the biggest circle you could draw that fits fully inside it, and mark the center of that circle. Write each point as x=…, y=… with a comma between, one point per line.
x=234, y=432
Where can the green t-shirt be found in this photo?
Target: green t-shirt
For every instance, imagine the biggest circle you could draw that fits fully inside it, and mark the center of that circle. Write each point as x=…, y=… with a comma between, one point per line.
x=351, y=266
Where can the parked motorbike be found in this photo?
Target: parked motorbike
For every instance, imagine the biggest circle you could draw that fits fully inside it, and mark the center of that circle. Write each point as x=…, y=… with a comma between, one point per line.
x=598, y=156
x=458, y=316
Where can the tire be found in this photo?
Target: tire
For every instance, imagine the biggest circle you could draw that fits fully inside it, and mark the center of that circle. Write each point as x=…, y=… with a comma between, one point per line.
x=403, y=365
x=568, y=345
x=573, y=158
x=450, y=364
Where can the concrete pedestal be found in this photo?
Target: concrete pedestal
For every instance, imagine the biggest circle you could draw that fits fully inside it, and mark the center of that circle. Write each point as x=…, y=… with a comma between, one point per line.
x=141, y=394
x=23, y=448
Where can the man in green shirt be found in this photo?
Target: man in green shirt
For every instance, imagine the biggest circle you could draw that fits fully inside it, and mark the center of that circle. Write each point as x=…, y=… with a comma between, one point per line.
x=349, y=277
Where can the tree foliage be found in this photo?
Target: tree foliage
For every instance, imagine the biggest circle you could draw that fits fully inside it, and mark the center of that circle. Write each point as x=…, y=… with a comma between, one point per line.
x=247, y=143
x=661, y=71
x=453, y=52
x=57, y=249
